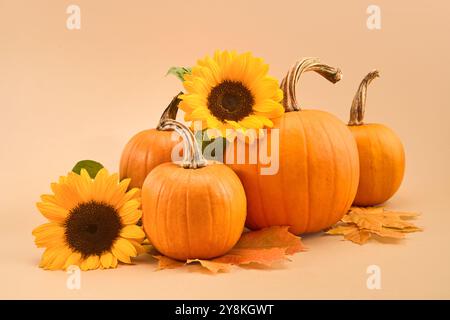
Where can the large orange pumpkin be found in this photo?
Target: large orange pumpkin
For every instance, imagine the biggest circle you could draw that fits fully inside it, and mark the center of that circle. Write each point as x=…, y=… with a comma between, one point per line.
x=193, y=211
x=318, y=165
x=381, y=154
x=148, y=148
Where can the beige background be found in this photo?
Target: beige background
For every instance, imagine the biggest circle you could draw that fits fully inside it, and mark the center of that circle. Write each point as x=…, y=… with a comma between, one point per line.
x=69, y=95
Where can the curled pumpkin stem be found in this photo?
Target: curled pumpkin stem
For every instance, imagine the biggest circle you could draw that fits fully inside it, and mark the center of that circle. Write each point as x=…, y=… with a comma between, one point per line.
x=193, y=157
x=171, y=111
x=359, y=101
x=289, y=82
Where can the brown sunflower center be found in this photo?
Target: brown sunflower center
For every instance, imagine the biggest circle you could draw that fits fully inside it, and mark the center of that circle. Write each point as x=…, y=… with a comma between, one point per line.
x=92, y=227
x=230, y=100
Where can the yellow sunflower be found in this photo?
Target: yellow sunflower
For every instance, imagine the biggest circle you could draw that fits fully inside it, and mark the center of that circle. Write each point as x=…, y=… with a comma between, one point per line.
x=231, y=91
x=92, y=222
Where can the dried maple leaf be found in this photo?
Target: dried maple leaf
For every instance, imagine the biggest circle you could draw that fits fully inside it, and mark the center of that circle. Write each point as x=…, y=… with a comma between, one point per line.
x=389, y=233
x=358, y=236
x=343, y=229
x=264, y=247
x=360, y=223
x=167, y=263
x=351, y=232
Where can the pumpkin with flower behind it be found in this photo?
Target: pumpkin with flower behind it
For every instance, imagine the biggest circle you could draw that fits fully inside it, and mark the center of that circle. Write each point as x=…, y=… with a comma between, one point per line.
x=148, y=148
x=318, y=170
x=192, y=210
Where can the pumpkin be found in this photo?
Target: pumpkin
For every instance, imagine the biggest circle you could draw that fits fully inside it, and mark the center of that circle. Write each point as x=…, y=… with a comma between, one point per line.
x=318, y=170
x=147, y=149
x=381, y=153
x=194, y=210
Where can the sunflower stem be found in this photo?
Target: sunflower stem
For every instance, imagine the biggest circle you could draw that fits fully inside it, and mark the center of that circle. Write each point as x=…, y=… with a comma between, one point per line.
x=288, y=84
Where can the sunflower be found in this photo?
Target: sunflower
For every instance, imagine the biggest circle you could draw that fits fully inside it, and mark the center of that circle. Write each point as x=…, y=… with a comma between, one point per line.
x=92, y=222
x=231, y=91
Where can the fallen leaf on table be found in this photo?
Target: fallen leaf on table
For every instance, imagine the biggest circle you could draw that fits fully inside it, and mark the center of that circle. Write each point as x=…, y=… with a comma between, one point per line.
x=167, y=263
x=358, y=236
x=264, y=247
x=359, y=224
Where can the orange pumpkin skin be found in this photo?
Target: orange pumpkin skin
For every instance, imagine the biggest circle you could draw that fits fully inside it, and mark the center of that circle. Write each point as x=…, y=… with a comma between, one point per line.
x=382, y=163
x=381, y=153
x=193, y=213
x=317, y=177
x=143, y=152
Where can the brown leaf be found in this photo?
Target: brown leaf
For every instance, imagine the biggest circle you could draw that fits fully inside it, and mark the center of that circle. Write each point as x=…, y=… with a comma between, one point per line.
x=343, y=229
x=167, y=263
x=358, y=236
x=264, y=246
x=389, y=233
x=367, y=220
x=359, y=223
x=410, y=229
x=212, y=265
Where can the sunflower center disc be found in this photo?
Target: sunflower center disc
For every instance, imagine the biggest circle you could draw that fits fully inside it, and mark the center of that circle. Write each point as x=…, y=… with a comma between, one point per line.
x=230, y=100
x=92, y=227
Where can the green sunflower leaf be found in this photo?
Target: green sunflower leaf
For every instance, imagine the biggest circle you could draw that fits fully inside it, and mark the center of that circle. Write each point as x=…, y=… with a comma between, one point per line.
x=91, y=166
x=212, y=148
x=179, y=72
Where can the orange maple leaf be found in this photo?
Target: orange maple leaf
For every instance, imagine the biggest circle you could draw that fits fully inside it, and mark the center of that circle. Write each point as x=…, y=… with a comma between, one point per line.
x=359, y=224
x=264, y=247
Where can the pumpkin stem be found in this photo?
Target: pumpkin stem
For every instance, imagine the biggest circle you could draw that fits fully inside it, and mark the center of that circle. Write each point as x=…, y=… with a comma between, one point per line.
x=359, y=101
x=290, y=80
x=171, y=111
x=193, y=157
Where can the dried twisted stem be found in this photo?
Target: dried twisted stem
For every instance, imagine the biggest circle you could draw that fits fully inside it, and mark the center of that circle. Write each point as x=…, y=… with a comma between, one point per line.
x=171, y=111
x=288, y=84
x=359, y=101
x=193, y=157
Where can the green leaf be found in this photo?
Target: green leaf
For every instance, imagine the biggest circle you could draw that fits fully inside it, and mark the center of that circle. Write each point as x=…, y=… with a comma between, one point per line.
x=179, y=72
x=91, y=166
x=215, y=145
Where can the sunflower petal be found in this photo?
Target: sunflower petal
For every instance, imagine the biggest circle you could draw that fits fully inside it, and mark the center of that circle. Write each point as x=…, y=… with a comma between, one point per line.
x=52, y=211
x=48, y=256
x=200, y=113
x=59, y=259
x=48, y=234
x=123, y=250
x=132, y=232
x=251, y=122
x=269, y=108
x=90, y=263
x=129, y=213
x=73, y=260
x=130, y=195
x=140, y=249
x=120, y=192
x=106, y=260
x=114, y=262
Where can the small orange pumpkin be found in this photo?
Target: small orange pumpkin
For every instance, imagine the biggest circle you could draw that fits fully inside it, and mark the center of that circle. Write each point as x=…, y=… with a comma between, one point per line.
x=381, y=153
x=318, y=165
x=193, y=211
x=148, y=148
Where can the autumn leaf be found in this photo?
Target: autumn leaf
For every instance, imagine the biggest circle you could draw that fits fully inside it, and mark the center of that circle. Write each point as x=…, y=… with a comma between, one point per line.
x=264, y=247
x=359, y=224
x=343, y=229
x=167, y=263
x=351, y=232
x=358, y=236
